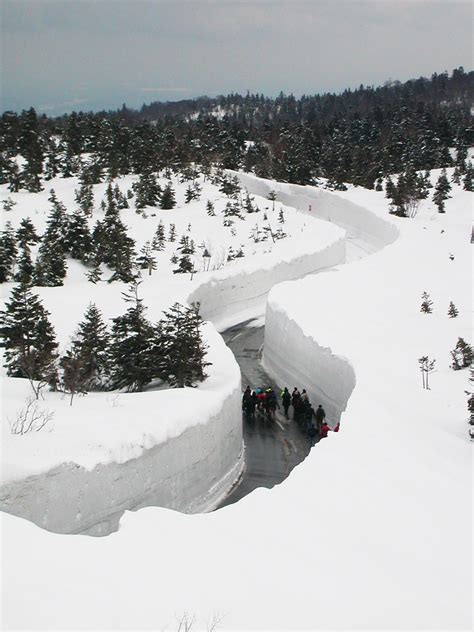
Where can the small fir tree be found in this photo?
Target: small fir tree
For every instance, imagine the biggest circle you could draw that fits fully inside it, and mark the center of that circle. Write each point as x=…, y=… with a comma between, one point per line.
x=159, y=238
x=8, y=252
x=185, y=265
x=452, y=311
x=78, y=238
x=426, y=303
x=184, y=350
x=89, y=351
x=26, y=233
x=172, y=233
x=441, y=192
x=146, y=260
x=281, y=217
x=132, y=350
x=8, y=204
x=461, y=355
x=210, y=209
x=25, y=268
x=28, y=338
x=168, y=199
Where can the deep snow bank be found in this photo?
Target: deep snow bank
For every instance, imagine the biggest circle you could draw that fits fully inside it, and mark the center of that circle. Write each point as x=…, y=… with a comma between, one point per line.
x=187, y=455
x=371, y=531
x=231, y=295
x=125, y=451
x=341, y=208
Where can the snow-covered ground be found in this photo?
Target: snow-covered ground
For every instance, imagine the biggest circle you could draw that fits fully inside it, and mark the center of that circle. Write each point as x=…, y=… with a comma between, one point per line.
x=371, y=531
x=43, y=473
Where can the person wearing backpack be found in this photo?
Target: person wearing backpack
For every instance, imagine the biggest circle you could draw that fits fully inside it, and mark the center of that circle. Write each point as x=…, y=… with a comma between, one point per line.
x=286, y=400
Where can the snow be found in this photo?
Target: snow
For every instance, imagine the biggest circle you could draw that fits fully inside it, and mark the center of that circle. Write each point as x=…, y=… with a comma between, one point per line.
x=107, y=429
x=373, y=529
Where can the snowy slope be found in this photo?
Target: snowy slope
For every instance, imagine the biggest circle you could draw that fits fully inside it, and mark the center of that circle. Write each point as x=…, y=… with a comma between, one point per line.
x=371, y=531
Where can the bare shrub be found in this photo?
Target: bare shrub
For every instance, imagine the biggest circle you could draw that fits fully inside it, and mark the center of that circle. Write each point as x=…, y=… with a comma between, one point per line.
x=30, y=418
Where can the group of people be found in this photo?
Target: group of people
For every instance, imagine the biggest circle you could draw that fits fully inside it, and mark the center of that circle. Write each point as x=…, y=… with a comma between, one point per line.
x=265, y=402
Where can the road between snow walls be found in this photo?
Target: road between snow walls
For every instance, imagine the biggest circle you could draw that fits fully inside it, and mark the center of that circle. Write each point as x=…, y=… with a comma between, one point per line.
x=189, y=467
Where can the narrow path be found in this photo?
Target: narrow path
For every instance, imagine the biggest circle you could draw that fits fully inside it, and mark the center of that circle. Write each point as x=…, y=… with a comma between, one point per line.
x=272, y=450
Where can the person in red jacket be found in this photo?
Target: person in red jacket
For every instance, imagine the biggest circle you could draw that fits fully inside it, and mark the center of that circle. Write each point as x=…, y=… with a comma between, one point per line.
x=323, y=432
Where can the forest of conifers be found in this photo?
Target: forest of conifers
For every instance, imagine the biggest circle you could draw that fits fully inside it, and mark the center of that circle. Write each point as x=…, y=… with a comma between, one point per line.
x=357, y=136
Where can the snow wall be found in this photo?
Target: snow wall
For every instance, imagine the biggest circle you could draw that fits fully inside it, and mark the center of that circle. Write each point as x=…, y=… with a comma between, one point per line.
x=193, y=471
x=227, y=300
x=290, y=356
x=189, y=473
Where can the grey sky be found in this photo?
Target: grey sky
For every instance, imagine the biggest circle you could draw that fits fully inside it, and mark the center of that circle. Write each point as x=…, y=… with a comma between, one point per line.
x=60, y=55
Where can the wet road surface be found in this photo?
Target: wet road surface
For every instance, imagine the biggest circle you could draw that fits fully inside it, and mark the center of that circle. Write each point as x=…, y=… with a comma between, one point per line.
x=272, y=450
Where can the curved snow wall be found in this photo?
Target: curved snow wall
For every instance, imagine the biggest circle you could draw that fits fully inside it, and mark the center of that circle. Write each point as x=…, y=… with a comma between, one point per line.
x=245, y=291
x=358, y=221
x=189, y=473
x=290, y=356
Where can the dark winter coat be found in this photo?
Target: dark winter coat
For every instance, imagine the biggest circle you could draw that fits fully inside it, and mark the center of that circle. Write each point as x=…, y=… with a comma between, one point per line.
x=320, y=415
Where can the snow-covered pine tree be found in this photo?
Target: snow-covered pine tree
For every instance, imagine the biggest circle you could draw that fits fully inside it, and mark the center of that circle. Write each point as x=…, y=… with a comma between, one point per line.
x=146, y=260
x=28, y=338
x=468, y=180
x=159, y=238
x=8, y=252
x=168, y=199
x=461, y=355
x=185, y=265
x=132, y=350
x=50, y=268
x=441, y=192
x=452, y=311
x=89, y=351
x=26, y=233
x=8, y=205
x=85, y=198
x=172, y=233
x=272, y=196
x=426, y=303
x=113, y=246
x=147, y=191
x=184, y=351
x=210, y=209
x=25, y=268
x=281, y=217
x=78, y=238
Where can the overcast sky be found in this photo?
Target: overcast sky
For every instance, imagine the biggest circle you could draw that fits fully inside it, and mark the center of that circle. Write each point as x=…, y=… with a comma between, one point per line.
x=60, y=55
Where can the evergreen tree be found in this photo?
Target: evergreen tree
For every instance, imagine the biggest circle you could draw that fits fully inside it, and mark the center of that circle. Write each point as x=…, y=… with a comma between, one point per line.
x=8, y=205
x=147, y=191
x=461, y=355
x=50, y=268
x=172, y=233
x=168, y=200
x=8, y=252
x=71, y=380
x=25, y=268
x=85, y=198
x=146, y=260
x=88, y=356
x=441, y=193
x=183, y=354
x=468, y=180
x=78, y=239
x=452, y=311
x=185, y=265
x=26, y=234
x=281, y=217
x=210, y=209
x=28, y=337
x=112, y=245
x=272, y=196
x=426, y=304
x=159, y=238
x=133, y=349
